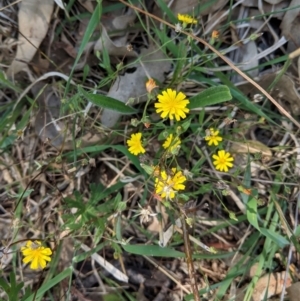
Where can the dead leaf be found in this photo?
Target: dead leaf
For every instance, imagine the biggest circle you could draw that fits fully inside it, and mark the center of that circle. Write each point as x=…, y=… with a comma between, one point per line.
x=34, y=17
x=116, y=46
x=246, y=55
x=47, y=125
x=251, y=146
x=285, y=90
x=215, y=21
x=294, y=291
x=270, y=285
x=192, y=7
x=289, y=17
x=274, y=2
x=294, y=36
x=133, y=85
x=267, y=8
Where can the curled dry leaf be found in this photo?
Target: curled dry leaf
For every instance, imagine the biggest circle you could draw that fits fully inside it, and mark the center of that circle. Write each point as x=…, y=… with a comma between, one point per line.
x=34, y=17
x=116, y=46
x=114, y=35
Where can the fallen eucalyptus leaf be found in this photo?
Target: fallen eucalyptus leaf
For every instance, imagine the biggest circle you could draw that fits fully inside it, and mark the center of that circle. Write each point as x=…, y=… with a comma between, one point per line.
x=34, y=17
x=251, y=146
x=46, y=125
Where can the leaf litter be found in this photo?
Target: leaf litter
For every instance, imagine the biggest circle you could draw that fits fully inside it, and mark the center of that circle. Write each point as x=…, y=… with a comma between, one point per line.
x=49, y=126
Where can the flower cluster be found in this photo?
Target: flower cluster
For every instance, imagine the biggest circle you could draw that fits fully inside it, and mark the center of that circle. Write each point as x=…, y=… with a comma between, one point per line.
x=222, y=160
x=169, y=183
x=170, y=104
x=35, y=253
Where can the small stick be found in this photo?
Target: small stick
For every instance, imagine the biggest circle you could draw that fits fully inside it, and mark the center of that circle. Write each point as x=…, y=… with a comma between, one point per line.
x=189, y=259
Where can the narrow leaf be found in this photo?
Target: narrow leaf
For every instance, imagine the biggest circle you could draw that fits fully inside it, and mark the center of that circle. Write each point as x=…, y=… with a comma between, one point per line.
x=107, y=102
x=152, y=251
x=252, y=213
x=210, y=96
x=275, y=237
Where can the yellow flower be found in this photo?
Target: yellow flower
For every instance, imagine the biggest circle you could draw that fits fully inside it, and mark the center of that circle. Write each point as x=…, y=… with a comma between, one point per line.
x=35, y=253
x=213, y=137
x=135, y=144
x=215, y=34
x=186, y=19
x=150, y=85
x=171, y=143
x=172, y=104
x=223, y=160
x=167, y=185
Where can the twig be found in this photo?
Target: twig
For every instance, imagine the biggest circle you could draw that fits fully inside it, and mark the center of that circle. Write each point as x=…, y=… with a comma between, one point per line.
x=189, y=259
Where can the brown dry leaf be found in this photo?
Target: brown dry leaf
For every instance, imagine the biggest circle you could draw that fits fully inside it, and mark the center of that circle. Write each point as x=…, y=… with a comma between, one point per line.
x=289, y=17
x=88, y=5
x=246, y=53
x=267, y=8
x=294, y=35
x=270, y=285
x=116, y=46
x=215, y=21
x=34, y=17
x=251, y=146
x=274, y=2
x=132, y=85
x=285, y=89
x=47, y=126
x=114, y=34
x=190, y=6
x=294, y=291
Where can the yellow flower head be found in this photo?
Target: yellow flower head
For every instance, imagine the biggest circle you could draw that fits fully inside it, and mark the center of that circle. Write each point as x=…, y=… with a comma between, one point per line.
x=215, y=34
x=213, y=137
x=167, y=185
x=150, y=85
x=186, y=19
x=35, y=253
x=223, y=160
x=171, y=143
x=170, y=104
x=135, y=144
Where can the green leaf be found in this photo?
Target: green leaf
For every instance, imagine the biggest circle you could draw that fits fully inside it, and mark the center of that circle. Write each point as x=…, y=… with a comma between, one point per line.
x=152, y=251
x=93, y=23
x=252, y=213
x=50, y=283
x=210, y=96
x=107, y=102
x=274, y=236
